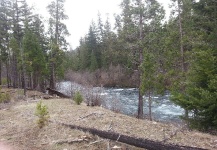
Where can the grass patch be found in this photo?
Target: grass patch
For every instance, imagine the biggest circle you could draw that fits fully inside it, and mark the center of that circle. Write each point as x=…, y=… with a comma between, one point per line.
x=4, y=97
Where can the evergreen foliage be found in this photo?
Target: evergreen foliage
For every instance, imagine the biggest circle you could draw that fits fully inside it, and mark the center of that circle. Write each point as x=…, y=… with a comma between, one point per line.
x=178, y=54
x=93, y=62
x=26, y=50
x=78, y=98
x=4, y=97
x=42, y=114
x=199, y=95
x=57, y=32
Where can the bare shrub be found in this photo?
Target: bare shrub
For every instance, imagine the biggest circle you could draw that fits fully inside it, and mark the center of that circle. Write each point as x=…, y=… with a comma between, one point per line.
x=111, y=77
x=105, y=78
x=93, y=98
x=116, y=105
x=91, y=95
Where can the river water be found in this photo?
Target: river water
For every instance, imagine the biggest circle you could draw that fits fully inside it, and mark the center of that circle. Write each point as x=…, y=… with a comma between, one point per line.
x=125, y=100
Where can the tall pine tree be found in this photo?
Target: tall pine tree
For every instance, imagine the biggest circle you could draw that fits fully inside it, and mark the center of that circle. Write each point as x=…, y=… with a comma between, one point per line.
x=57, y=33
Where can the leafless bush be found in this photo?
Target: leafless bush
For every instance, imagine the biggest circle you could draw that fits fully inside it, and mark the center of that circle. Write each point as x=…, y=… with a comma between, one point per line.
x=111, y=77
x=116, y=105
x=93, y=98
x=91, y=95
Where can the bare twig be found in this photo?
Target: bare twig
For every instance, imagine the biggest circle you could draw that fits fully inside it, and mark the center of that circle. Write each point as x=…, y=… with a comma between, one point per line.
x=173, y=134
x=118, y=137
x=95, y=142
x=70, y=141
x=108, y=145
x=89, y=115
x=110, y=126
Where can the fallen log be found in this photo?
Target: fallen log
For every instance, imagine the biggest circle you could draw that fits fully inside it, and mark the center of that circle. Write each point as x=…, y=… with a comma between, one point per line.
x=138, y=142
x=54, y=92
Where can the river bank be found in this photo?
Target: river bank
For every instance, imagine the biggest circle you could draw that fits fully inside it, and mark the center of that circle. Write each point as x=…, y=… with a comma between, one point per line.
x=19, y=128
x=114, y=76
x=125, y=100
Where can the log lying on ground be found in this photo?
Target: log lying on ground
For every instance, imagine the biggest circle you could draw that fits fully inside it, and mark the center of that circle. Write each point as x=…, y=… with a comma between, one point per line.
x=138, y=142
x=54, y=92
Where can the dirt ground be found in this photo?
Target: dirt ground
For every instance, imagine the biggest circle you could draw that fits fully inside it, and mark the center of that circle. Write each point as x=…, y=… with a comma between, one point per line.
x=5, y=146
x=19, y=130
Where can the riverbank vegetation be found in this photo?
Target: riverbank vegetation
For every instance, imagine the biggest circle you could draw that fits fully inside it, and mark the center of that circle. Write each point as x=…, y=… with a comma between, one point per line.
x=143, y=50
x=19, y=127
x=154, y=55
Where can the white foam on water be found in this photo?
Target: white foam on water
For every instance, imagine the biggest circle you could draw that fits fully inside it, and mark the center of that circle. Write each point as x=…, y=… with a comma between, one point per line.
x=117, y=90
x=162, y=107
x=103, y=94
x=155, y=97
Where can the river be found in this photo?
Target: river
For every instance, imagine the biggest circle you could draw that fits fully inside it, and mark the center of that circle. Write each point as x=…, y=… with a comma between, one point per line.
x=125, y=100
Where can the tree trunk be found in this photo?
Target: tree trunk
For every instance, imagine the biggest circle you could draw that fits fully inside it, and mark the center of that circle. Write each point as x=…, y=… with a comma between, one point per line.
x=52, y=64
x=57, y=23
x=52, y=76
x=34, y=80
x=0, y=72
x=8, y=74
x=140, y=104
x=31, y=81
x=149, y=105
x=42, y=85
x=15, y=72
x=23, y=69
x=181, y=47
x=8, y=63
x=181, y=38
x=54, y=92
x=138, y=142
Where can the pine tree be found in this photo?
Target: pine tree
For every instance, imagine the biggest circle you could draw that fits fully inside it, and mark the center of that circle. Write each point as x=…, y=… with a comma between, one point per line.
x=143, y=13
x=93, y=65
x=200, y=97
x=5, y=28
x=152, y=77
x=108, y=52
x=57, y=32
x=181, y=49
x=34, y=59
x=93, y=50
x=20, y=15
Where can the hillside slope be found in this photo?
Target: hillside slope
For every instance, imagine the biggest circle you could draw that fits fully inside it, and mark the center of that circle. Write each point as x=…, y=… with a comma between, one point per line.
x=18, y=128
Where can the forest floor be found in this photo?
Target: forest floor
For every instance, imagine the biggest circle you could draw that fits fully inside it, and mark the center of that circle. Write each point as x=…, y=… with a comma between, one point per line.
x=19, y=130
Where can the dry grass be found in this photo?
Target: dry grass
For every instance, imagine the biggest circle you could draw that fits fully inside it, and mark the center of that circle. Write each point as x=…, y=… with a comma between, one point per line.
x=18, y=127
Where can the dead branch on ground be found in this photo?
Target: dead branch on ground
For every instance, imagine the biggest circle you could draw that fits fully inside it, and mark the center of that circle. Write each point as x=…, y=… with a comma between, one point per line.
x=89, y=115
x=138, y=142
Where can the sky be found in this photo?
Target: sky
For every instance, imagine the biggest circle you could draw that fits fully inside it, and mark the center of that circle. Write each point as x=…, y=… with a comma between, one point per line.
x=82, y=12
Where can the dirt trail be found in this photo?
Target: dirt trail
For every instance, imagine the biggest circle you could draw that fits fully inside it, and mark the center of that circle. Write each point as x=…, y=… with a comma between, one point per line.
x=4, y=146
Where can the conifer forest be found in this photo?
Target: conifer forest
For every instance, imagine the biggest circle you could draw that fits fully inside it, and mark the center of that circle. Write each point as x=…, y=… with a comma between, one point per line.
x=145, y=49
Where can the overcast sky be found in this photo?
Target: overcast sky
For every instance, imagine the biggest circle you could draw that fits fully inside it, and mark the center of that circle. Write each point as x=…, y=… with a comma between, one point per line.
x=82, y=12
